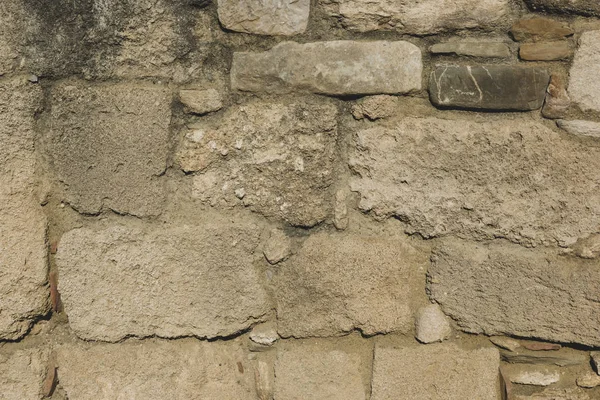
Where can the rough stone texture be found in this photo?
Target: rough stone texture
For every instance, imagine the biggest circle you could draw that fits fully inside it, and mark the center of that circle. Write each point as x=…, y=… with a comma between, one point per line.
x=556, y=394
x=583, y=83
x=12, y=32
x=201, y=101
x=583, y=7
x=155, y=370
x=557, y=101
x=422, y=17
x=109, y=145
x=494, y=87
x=335, y=68
x=595, y=359
x=505, y=343
x=23, y=264
x=161, y=280
x=580, y=127
x=561, y=358
x=532, y=375
x=265, y=334
x=273, y=17
x=514, y=179
x=275, y=157
x=340, y=282
x=540, y=29
x=507, y=289
x=587, y=247
x=376, y=107
x=434, y=372
x=431, y=324
x=472, y=49
x=303, y=372
x=22, y=373
x=588, y=380
x=549, y=51
x=278, y=247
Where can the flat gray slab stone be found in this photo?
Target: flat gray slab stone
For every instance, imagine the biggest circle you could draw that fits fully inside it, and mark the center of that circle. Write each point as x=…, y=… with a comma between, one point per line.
x=274, y=17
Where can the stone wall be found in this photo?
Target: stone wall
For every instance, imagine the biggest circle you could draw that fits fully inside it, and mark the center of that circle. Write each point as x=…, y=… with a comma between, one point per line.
x=300, y=199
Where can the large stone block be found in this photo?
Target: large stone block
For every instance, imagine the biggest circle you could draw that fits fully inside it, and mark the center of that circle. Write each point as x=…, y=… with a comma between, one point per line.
x=23, y=258
x=340, y=282
x=161, y=280
x=335, y=68
x=507, y=289
x=420, y=17
x=583, y=7
x=276, y=157
x=483, y=179
x=435, y=371
x=274, y=17
x=584, y=88
x=155, y=370
x=14, y=23
x=22, y=373
x=109, y=145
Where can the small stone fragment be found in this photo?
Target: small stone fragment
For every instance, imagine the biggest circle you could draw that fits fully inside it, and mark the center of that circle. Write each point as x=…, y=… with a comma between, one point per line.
x=278, y=247
x=549, y=51
x=580, y=127
x=265, y=334
x=472, y=49
x=375, y=107
x=557, y=101
x=540, y=346
x=589, y=380
x=505, y=342
x=536, y=29
x=530, y=375
x=431, y=324
x=264, y=378
x=340, y=212
x=201, y=101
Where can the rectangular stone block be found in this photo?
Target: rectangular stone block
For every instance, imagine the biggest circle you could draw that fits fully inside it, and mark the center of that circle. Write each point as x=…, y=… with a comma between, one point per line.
x=155, y=370
x=507, y=289
x=435, y=371
x=161, y=280
x=109, y=144
x=492, y=87
x=420, y=17
x=335, y=68
x=584, y=87
x=22, y=373
x=338, y=283
x=273, y=17
x=481, y=179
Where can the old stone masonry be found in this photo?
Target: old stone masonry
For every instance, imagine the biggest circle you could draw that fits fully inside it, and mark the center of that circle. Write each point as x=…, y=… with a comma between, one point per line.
x=300, y=200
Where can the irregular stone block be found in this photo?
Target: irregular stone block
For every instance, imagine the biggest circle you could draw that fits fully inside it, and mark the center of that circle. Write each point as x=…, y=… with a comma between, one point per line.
x=201, y=101
x=431, y=324
x=275, y=17
x=549, y=51
x=275, y=157
x=493, y=87
x=376, y=107
x=580, y=127
x=109, y=145
x=472, y=49
x=507, y=289
x=338, y=283
x=588, y=380
x=435, y=371
x=22, y=373
x=509, y=181
x=537, y=29
x=584, y=87
x=558, y=102
x=160, y=281
x=23, y=256
x=155, y=370
x=582, y=7
x=337, y=68
x=587, y=247
x=421, y=18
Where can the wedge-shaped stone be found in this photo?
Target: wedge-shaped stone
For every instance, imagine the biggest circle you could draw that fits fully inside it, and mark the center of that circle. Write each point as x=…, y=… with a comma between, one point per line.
x=274, y=17
x=583, y=7
x=167, y=281
x=339, y=283
x=109, y=145
x=435, y=371
x=492, y=87
x=584, y=87
x=473, y=49
x=507, y=289
x=335, y=68
x=515, y=179
x=420, y=17
x=155, y=370
x=22, y=373
x=23, y=265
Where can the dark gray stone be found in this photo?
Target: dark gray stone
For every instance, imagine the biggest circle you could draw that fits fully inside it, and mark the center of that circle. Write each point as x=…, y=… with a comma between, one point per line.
x=582, y=7
x=493, y=87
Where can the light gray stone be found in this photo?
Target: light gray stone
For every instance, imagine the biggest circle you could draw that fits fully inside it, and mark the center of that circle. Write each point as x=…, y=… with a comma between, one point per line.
x=473, y=49
x=584, y=88
x=505, y=343
x=22, y=373
x=532, y=375
x=273, y=17
x=161, y=280
x=335, y=68
x=580, y=127
x=197, y=101
x=265, y=334
x=431, y=324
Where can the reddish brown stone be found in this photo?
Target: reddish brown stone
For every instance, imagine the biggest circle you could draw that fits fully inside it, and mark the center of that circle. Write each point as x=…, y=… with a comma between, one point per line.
x=541, y=346
x=54, y=294
x=536, y=29
x=549, y=51
x=51, y=379
x=557, y=99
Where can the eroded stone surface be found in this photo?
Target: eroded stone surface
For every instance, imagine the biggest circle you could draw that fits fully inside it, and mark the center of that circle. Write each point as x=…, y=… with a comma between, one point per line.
x=587, y=247
x=340, y=282
x=540, y=28
x=583, y=7
x=580, y=127
x=531, y=375
x=472, y=49
x=431, y=324
x=588, y=380
x=547, y=51
x=376, y=107
x=161, y=280
x=338, y=68
x=556, y=394
x=109, y=145
x=22, y=373
x=274, y=17
x=509, y=181
x=201, y=101
x=507, y=289
x=584, y=88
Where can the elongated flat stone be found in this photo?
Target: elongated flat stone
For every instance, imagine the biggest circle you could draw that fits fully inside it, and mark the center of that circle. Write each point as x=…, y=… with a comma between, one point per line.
x=549, y=51
x=537, y=29
x=580, y=127
x=473, y=49
x=584, y=86
x=582, y=7
x=335, y=68
x=274, y=17
x=492, y=87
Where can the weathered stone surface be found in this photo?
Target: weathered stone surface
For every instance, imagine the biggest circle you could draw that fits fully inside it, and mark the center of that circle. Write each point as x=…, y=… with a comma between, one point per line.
x=265, y=334
x=580, y=127
x=22, y=373
x=494, y=87
x=275, y=157
x=155, y=370
x=376, y=107
x=583, y=7
x=532, y=375
x=423, y=17
x=336, y=68
x=23, y=265
x=431, y=324
x=595, y=359
x=473, y=49
x=278, y=247
x=556, y=394
x=507, y=289
x=505, y=343
x=557, y=101
x=109, y=145
x=537, y=29
x=561, y=358
x=275, y=17
x=584, y=87
x=509, y=180
x=434, y=372
x=547, y=51
x=588, y=380
x=200, y=102
x=13, y=25
x=340, y=282
x=540, y=346
x=587, y=247
x=129, y=281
